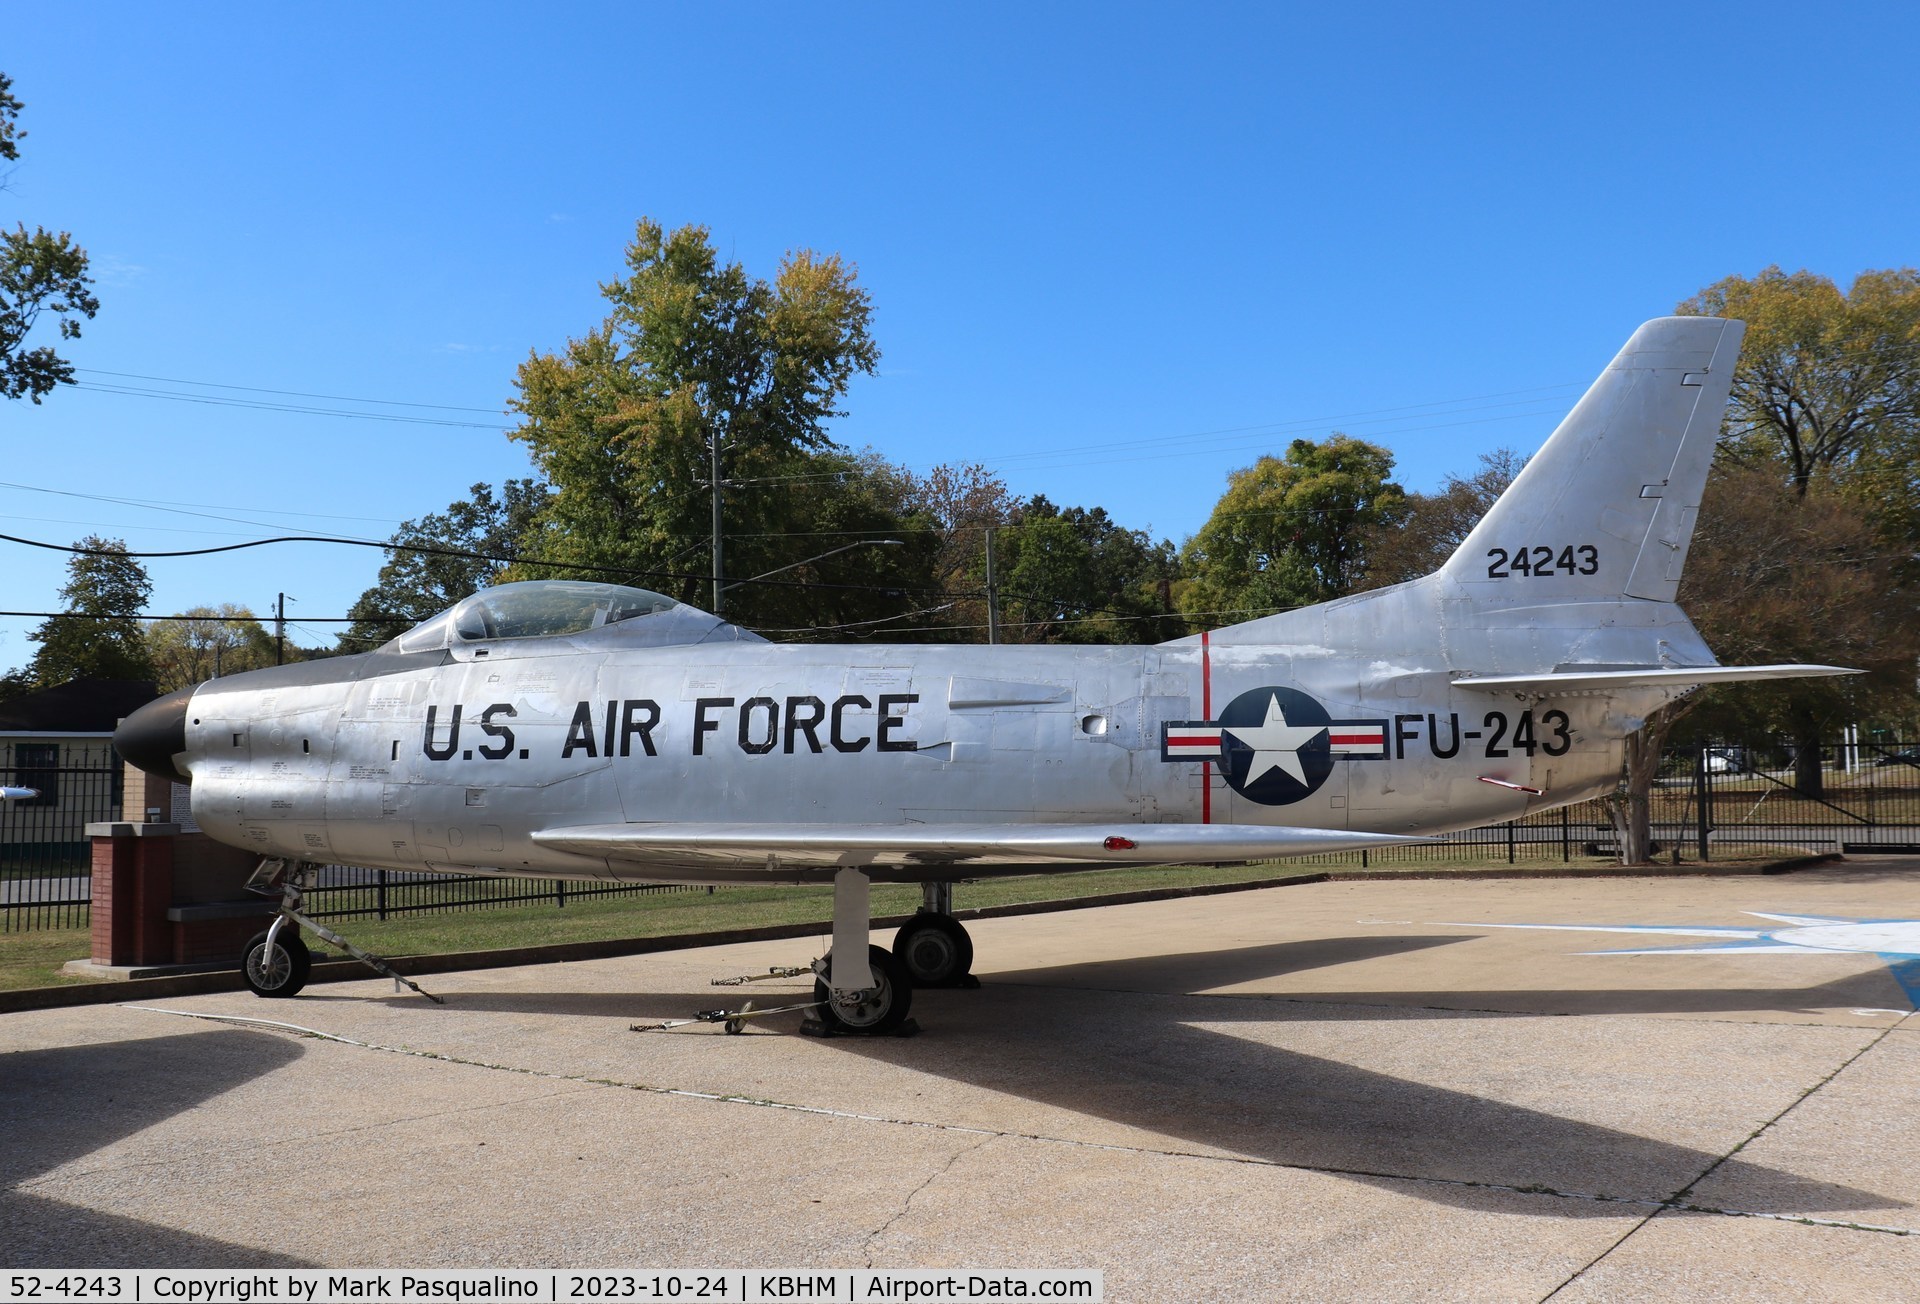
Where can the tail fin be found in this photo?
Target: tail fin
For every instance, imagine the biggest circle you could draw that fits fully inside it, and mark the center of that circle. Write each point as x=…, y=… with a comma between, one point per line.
x=1606, y=508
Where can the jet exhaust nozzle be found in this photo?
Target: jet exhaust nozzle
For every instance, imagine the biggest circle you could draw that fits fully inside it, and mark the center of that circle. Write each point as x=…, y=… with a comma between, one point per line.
x=153, y=736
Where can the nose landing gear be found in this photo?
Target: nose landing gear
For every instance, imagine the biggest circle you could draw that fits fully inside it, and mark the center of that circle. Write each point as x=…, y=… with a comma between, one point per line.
x=277, y=962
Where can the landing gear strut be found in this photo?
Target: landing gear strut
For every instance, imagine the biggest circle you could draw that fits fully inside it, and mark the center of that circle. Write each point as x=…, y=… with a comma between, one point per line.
x=277, y=961
x=871, y=998
x=879, y=1006
x=859, y=988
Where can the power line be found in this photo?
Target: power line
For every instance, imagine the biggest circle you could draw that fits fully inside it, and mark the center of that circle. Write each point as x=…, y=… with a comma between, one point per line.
x=180, y=508
x=216, y=617
x=290, y=393
x=212, y=400
x=452, y=552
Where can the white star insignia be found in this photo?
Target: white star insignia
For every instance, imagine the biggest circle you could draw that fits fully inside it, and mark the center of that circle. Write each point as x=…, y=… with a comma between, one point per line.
x=1276, y=744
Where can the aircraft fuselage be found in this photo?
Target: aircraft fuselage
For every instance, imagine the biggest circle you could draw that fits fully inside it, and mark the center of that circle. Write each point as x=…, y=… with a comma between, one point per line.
x=448, y=762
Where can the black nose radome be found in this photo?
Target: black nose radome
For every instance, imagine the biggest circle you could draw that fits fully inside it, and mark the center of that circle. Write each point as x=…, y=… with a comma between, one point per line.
x=152, y=736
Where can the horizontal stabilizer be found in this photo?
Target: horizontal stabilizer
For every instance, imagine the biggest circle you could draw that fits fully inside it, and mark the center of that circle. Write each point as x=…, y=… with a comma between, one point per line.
x=1064, y=845
x=1677, y=677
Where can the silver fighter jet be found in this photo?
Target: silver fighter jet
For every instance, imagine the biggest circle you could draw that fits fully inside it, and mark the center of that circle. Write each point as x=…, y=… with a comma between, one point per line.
x=595, y=732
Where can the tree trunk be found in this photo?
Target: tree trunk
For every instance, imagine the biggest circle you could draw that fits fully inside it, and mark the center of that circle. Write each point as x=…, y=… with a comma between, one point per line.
x=1631, y=806
x=1808, y=776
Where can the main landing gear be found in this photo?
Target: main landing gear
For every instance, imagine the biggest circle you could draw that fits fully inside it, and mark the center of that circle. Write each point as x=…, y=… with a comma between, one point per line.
x=933, y=946
x=930, y=950
x=870, y=998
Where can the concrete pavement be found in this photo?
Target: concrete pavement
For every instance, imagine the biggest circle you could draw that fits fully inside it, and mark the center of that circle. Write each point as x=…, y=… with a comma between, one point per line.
x=1335, y=1091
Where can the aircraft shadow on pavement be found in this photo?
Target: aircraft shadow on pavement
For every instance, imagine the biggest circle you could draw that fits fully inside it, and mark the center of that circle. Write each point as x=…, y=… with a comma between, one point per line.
x=1121, y=1040
x=65, y=1103
x=1872, y=986
x=1165, y=1064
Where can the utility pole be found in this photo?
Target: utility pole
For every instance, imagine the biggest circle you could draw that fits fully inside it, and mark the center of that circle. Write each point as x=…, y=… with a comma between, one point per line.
x=280, y=630
x=993, y=594
x=719, y=574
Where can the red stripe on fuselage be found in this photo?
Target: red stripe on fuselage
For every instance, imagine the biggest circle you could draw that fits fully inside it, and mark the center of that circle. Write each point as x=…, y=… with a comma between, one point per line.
x=1206, y=713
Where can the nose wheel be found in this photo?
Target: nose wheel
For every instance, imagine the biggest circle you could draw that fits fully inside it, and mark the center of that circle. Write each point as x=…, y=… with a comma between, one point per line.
x=276, y=966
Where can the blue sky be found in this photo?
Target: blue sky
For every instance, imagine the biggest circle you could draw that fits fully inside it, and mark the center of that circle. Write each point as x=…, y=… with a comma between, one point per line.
x=1096, y=235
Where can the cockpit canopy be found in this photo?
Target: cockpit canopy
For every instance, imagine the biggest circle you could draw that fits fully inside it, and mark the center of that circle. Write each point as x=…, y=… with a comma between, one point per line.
x=556, y=608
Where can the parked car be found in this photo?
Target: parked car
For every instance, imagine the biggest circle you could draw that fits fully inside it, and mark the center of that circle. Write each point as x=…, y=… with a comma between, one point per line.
x=1907, y=756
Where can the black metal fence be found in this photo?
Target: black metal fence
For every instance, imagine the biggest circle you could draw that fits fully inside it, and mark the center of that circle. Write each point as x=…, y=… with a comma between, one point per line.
x=1714, y=801
x=45, y=859
x=1708, y=802
x=1867, y=798
x=349, y=892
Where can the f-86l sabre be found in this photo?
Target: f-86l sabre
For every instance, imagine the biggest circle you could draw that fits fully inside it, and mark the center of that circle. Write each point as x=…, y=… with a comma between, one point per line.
x=596, y=732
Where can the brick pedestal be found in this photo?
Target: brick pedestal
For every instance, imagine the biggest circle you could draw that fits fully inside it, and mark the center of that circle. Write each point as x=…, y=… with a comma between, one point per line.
x=162, y=897
x=132, y=891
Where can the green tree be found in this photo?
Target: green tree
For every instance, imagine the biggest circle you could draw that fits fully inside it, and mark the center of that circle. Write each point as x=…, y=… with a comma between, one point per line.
x=1826, y=400
x=695, y=356
x=871, y=568
x=1291, y=530
x=41, y=273
x=957, y=502
x=1775, y=578
x=207, y=643
x=414, y=585
x=1825, y=379
x=1432, y=526
x=99, y=638
x=1073, y=575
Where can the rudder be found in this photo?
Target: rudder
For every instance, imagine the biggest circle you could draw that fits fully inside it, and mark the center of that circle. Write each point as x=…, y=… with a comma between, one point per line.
x=1606, y=508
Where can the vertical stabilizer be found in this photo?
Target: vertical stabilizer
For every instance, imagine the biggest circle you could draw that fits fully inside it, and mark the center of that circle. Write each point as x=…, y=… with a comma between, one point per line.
x=1606, y=508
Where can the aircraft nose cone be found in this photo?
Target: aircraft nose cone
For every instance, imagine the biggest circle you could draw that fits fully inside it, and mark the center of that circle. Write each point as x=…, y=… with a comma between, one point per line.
x=152, y=736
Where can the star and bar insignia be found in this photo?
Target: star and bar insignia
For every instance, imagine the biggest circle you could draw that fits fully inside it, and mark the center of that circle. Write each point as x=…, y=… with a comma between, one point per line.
x=1274, y=745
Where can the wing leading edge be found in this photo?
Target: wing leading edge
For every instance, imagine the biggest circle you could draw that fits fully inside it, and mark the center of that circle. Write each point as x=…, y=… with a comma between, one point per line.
x=1042, y=846
x=1677, y=677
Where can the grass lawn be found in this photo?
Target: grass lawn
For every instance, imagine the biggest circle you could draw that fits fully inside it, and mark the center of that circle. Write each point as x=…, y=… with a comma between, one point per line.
x=33, y=959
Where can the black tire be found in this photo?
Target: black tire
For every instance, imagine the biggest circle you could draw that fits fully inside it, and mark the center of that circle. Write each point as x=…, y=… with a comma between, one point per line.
x=884, y=1011
x=282, y=974
x=935, y=949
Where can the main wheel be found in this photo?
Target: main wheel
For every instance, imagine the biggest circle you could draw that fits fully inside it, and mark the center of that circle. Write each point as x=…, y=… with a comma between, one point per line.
x=935, y=949
x=281, y=971
x=882, y=1009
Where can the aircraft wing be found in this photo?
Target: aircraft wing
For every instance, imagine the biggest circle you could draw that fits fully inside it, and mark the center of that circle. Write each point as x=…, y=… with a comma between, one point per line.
x=1042, y=845
x=1679, y=677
